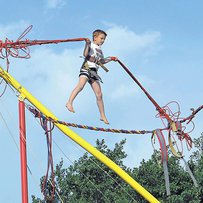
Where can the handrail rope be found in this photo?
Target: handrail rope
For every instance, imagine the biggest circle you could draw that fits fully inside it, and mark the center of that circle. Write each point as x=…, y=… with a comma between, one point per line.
x=104, y=129
x=38, y=114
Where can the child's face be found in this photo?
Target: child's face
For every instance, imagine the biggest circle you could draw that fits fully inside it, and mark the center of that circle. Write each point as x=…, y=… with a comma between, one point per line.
x=99, y=39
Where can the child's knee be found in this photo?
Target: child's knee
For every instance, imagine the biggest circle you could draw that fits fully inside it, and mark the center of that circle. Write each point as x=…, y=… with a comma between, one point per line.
x=80, y=87
x=99, y=95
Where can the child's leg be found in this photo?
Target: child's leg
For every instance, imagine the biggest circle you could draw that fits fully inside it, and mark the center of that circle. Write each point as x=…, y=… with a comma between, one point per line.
x=77, y=89
x=98, y=93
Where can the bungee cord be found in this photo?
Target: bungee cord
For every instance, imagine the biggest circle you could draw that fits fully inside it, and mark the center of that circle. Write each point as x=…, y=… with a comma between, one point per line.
x=158, y=108
x=20, y=48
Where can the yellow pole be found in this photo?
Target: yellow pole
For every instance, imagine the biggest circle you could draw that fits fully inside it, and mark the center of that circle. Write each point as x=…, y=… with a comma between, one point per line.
x=76, y=138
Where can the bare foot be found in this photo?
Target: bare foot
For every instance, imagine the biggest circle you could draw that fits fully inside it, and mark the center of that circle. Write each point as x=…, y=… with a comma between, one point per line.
x=104, y=120
x=70, y=108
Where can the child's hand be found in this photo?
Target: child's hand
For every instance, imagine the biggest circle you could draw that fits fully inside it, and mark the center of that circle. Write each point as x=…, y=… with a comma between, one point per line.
x=87, y=40
x=113, y=58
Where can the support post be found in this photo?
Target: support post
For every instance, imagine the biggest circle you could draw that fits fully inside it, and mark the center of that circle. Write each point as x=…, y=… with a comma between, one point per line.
x=23, y=152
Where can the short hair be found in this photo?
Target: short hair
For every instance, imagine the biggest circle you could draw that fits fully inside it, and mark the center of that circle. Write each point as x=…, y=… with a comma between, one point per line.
x=97, y=32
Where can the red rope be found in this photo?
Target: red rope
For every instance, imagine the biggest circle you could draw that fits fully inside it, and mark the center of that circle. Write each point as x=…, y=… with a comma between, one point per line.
x=158, y=108
x=47, y=125
x=20, y=49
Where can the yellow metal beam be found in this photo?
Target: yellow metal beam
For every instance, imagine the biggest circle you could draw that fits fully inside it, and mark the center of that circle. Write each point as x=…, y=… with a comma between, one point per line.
x=76, y=138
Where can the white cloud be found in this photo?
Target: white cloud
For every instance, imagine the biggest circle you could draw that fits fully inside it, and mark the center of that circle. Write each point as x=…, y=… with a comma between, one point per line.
x=123, y=91
x=127, y=90
x=52, y=4
x=122, y=41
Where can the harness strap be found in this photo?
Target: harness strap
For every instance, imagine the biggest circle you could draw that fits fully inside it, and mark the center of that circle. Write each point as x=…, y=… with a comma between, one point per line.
x=93, y=60
x=164, y=158
x=190, y=172
x=173, y=150
x=176, y=126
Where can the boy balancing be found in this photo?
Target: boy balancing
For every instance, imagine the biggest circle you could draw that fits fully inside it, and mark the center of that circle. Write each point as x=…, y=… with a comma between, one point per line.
x=88, y=72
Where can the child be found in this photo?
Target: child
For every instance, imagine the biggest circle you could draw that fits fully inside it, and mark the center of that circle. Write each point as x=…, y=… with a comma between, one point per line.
x=88, y=72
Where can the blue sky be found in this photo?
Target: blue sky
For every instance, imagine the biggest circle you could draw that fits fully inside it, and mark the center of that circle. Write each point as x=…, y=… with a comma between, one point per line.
x=159, y=41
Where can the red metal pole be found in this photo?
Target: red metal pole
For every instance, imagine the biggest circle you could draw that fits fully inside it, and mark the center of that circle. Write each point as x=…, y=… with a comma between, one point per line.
x=23, y=153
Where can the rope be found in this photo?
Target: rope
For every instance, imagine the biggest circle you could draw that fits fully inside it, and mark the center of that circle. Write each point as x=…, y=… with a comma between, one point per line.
x=194, y=112
x=38, y=114
x=164, y=157
x=190, y=172
x=47, y=126
x=20, y=49
x=103, y=129
x=158, y=108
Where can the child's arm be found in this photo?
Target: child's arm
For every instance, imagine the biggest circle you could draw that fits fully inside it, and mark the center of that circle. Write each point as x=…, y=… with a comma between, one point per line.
x=87, y=47
x=108, y=59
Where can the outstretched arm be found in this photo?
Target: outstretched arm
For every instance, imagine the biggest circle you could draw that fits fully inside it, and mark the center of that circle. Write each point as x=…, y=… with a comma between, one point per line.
x=87, y=47
x=108, y=59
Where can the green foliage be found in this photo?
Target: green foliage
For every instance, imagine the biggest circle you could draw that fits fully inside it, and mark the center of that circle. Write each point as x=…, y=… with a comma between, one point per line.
x=88, y=180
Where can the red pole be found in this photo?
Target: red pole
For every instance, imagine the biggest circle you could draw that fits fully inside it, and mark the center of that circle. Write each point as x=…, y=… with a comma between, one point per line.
x=23, y=153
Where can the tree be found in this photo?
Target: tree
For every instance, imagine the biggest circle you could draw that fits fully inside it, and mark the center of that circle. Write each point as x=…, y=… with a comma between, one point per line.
x=88, y=180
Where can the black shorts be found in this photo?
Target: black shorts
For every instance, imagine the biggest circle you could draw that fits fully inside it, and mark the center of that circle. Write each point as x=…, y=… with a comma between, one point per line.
x=91, y=74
